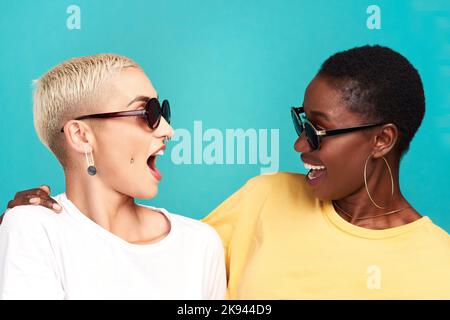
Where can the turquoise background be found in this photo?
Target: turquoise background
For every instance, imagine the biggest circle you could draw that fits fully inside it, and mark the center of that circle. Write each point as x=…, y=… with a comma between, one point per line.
x=231, y=64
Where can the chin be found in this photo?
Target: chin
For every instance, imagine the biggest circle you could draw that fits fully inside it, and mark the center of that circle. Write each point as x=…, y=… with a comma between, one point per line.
x=322, y=195
x=146, y=193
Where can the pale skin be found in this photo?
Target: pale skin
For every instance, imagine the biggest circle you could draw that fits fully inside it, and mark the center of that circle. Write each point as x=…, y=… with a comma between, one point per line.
x=343, y=156
x=120, y=148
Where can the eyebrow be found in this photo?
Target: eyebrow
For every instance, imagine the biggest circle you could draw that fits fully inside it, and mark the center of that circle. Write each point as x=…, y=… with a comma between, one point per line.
x=139, y=99
x=318, y=114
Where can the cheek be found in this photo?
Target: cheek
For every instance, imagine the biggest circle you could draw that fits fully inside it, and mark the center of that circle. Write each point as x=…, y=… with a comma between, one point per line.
x=114, y=151
x=129, y=177
x=119, y=154
x=121, y=160
x=344, y=161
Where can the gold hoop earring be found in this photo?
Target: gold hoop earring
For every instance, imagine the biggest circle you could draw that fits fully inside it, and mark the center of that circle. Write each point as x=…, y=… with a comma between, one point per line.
x=367, y=188
x=90, y=162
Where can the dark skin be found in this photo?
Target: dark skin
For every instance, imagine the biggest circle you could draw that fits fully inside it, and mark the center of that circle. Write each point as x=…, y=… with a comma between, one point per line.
x=343, y=156
x=36, y=196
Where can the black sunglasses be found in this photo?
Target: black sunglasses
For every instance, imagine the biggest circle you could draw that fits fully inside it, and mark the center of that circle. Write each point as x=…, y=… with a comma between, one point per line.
x=315, y=136
x=152, y=112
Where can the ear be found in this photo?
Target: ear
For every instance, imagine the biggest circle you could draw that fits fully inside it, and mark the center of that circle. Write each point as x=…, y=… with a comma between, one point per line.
x=79, y=136
x=385, y=140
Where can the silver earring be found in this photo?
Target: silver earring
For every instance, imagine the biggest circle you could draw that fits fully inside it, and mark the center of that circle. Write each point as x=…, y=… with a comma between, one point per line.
x=90, y=162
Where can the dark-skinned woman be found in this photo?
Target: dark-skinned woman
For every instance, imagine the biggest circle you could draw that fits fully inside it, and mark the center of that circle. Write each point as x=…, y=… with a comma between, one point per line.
x=343, y=231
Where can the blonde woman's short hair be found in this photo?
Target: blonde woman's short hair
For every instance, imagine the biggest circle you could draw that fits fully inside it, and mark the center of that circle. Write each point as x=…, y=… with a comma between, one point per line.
x=69, y=90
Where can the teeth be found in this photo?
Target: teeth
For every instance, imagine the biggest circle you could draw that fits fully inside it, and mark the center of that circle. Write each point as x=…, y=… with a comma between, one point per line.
x=310, y=166
x=159, y=153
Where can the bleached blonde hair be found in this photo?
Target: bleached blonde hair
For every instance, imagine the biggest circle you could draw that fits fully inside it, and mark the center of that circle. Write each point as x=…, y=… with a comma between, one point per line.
x=71, y=89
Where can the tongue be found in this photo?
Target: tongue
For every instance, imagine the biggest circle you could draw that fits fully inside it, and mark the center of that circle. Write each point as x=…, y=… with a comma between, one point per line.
x=152, y=165
x=157, y=173
x=313, y=174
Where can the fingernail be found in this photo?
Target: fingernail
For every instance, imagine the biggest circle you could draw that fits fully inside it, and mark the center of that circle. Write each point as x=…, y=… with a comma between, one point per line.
x=34, y=200
x=57, y=207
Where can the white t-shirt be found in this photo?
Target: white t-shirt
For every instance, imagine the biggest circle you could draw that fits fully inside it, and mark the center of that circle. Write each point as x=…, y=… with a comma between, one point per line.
x=44, y=255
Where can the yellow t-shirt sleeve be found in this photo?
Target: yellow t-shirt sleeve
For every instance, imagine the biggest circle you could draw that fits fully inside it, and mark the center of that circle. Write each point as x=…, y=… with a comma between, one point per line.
x=225, y=217
x=236, y=214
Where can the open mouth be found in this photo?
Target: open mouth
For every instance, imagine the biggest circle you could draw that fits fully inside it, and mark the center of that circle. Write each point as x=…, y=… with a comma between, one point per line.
x=151, y=163
x=316, y=172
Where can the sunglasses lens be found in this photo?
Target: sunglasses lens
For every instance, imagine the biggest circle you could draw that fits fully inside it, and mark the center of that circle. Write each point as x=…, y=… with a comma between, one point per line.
x=166, y=111
x=297, y=123
x=311, y=136
x=153, y=113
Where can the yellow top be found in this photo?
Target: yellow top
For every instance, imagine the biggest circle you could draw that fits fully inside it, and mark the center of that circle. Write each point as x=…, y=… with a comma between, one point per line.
x=283, y=243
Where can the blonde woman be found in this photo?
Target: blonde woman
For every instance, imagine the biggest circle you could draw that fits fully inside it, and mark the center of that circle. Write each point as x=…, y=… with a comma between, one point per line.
x=101, y=117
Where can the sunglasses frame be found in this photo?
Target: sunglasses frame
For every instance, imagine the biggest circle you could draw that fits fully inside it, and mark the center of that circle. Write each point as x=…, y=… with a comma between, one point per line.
x=320, y=134
x=134, y=113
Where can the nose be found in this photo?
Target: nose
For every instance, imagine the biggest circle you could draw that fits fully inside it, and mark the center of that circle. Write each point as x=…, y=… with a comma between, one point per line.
x=302, y=145
x=164, y=129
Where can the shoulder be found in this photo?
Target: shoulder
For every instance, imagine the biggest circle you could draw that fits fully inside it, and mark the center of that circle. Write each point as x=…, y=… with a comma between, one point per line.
x=432, y=245
x=285, y=183
x=25, y=225
x=28, y=216
x=275, y=188
x=438, y=236
x=277, y=179
x=193, y=226
x=194, y=230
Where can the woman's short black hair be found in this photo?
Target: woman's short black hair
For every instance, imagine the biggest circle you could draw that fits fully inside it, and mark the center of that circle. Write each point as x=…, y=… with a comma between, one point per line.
x=380, y=84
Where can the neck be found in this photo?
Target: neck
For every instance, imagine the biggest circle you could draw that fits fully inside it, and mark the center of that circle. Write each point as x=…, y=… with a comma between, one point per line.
x=364, y=212
x=108, y=208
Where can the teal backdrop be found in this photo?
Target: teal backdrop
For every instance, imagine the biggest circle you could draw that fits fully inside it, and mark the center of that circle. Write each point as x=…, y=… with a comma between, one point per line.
x=230, y=64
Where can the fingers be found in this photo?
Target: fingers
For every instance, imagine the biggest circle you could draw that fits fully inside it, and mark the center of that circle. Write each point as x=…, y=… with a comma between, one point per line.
x=36, y=196
x=45, y=188
x=46, y=202
x=22, y=201
x=36, y=191
x=14, y=203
